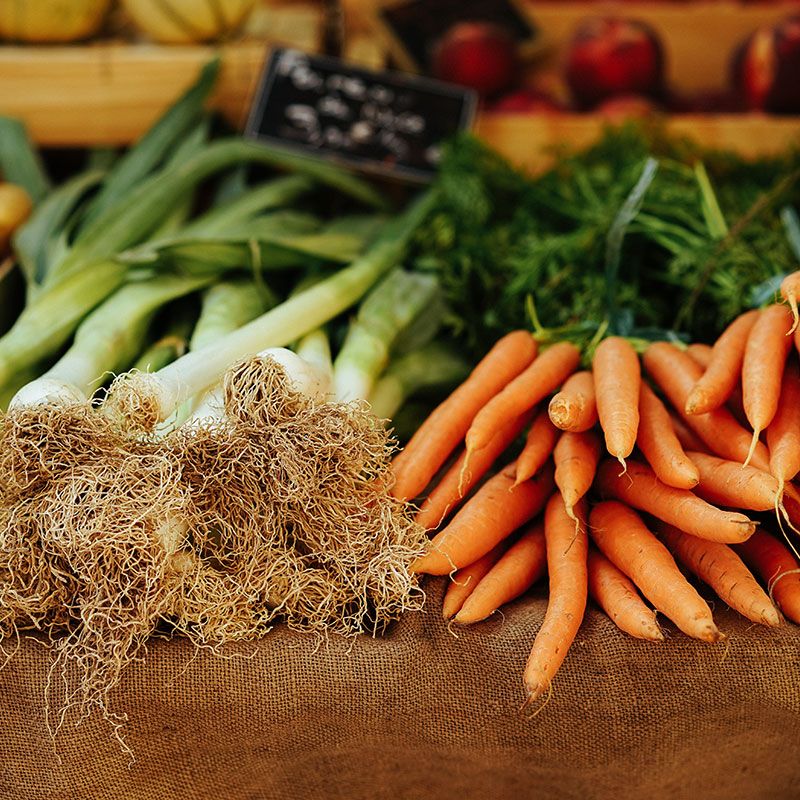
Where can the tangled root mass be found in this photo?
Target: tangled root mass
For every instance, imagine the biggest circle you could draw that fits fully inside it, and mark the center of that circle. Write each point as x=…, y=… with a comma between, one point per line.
x=278, y=512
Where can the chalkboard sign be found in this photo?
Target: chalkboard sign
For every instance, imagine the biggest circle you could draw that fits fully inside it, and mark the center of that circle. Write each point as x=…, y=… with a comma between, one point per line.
x=384, y=122
x=414, y=27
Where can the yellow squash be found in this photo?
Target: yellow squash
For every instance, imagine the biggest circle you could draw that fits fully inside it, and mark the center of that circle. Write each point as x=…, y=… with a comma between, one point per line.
x=184, y=21
x=51, y=20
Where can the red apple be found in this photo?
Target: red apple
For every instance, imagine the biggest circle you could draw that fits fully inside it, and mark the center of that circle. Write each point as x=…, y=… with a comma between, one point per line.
x=766, y=68
x=610, y=56
x=626, y=106
x=526, y=101
x=480, y=55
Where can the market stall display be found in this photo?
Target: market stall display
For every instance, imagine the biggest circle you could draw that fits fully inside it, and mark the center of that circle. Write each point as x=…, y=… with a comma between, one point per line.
x=511, y=439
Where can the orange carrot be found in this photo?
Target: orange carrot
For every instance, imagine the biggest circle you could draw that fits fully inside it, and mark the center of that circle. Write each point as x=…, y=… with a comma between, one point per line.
x=700, y=353
x=574, y=407
x=617, y=377
x=441, y=432
x=790, y=289
x=531, y=386
x=660, y=445
x=688, y=439
x=778, y=568
x=714, y=386
x=676, y=373
x=718, y=565
x=457, y=482
x=728, y=483
x=575, y=456
x=497, y=509
x=616, y=594
x=762, y=368
x=622, y=536
x=639, y=487
x=464, y=582
x=539, y=444
x=518, y=569
x=566, y=565
x=783, y=433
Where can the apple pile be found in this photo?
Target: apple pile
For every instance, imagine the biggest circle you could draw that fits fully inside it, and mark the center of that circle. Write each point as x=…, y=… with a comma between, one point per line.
x=615, y=66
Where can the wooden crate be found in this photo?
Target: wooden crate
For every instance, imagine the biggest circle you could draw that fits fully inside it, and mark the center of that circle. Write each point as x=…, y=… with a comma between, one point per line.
x=109, y=92
x=698, y=38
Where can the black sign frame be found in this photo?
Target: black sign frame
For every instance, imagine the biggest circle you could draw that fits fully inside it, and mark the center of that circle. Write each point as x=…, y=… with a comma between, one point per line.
x=431, y=95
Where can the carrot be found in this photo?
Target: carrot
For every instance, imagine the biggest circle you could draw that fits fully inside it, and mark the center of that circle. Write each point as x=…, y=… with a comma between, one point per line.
x=660, y=445
x=441, y=432
x=539, y=443
x=575, y=456
x=518, y=569
x=688, y=439
x=465, y=581
x=622, y=536
x=640, y=488
x=790, y=288
x=616, y=594
x=700, y=353
x=531, y=386
x=728, y=483
x=497, y=509
x=574, y=407
x=617, y=377
x=762, y=368
x=566, y=565
x=778, y=568
x=783, y=433
x=718, y=565
x=457, y=482
x=722, y=371
x=676, y=373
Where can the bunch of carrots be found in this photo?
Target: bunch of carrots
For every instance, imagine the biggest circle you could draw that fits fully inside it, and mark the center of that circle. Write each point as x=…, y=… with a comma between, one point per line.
x=705, y=434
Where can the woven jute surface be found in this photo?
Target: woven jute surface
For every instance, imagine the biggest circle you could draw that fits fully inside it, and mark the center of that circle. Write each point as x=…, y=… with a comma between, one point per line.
x=422, y=714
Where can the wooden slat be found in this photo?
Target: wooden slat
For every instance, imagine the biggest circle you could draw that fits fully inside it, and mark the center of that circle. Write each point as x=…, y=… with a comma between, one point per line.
x=528, y=140
x=109, y=92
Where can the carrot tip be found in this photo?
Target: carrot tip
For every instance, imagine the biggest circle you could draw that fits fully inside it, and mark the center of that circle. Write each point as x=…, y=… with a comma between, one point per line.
x=624, y=466
x=752, y=450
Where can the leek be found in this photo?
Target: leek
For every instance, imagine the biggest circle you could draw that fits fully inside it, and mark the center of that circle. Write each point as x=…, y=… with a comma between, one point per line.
x=227, y=306
x=135, y=216
x=19, y=161
x=431, y=367
x=170, y=131
x=173, y=342
x=107, y=340
x=295, y=317
x=271, y=194
x=48, y=321
x=391, y=307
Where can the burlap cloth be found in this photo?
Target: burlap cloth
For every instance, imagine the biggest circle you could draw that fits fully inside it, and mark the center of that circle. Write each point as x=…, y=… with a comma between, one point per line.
x=422, y=714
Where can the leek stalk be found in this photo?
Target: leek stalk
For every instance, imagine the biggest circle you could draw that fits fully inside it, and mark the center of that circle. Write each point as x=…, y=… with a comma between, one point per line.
x=289, y=321
x=107, y=340
x=431, y=367
x=392, y=307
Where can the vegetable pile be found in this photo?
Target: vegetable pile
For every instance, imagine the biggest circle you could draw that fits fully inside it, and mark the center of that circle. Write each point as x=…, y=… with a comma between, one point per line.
x=214, y=334
x=188, y=446
x=655, y=236
x=690, y=461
